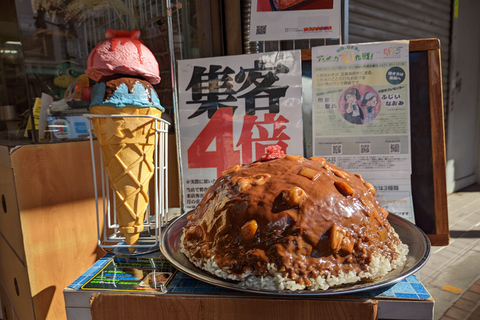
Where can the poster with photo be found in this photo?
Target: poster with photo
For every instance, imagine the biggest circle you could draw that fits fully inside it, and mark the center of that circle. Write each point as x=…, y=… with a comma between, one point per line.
x=231, y=108
x=361, y=116
x=272, y=20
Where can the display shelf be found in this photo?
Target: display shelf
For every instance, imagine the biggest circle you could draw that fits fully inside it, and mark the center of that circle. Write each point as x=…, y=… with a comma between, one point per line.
x=407, y=299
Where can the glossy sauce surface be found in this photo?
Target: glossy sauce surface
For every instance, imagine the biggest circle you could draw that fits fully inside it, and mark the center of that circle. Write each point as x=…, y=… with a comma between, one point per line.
x=306, y=217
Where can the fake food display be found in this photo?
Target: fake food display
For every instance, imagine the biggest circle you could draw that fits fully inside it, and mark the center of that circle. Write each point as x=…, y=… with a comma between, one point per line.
x=290, y=223
x=125, y=70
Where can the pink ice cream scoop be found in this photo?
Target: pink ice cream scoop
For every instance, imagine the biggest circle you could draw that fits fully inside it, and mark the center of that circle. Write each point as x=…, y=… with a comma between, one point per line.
x=122, y=53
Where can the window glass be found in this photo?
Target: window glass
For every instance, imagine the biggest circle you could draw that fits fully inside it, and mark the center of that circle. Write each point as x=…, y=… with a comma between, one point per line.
x=50, y=48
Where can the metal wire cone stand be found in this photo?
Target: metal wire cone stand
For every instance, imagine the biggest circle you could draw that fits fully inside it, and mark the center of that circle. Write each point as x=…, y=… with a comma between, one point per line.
x=109, y=237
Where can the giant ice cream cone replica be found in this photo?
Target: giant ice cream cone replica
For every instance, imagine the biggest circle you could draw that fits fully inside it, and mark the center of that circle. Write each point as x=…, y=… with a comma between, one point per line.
x=128, y=146
x=127, y=143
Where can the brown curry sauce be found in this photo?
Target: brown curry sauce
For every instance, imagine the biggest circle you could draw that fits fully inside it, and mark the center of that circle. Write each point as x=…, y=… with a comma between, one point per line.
x=306, y=217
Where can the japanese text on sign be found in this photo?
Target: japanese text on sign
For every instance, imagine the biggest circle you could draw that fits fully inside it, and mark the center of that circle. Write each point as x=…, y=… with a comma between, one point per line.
x=232, y=108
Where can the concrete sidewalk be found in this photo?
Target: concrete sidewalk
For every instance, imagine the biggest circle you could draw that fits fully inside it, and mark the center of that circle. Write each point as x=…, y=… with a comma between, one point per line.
x=452, y=274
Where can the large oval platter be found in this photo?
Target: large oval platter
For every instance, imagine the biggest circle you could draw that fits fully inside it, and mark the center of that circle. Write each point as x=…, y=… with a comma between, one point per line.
x=415, y=238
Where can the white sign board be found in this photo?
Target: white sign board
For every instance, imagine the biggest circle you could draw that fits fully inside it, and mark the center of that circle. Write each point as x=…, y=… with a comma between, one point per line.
x=294, y=19
x=231, y=108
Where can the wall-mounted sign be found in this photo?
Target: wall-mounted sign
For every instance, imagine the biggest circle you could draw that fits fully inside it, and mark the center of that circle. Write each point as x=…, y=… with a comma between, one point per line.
x=295, y=19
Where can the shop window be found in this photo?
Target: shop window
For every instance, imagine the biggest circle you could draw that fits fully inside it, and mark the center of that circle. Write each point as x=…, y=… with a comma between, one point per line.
x=49, y=42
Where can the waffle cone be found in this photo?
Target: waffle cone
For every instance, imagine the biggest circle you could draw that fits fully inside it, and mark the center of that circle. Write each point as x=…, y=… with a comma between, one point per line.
x=128, y=145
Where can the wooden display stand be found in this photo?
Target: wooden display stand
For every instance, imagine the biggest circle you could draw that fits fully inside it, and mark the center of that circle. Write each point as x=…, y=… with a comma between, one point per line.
x=428, y=141
x=115, y=287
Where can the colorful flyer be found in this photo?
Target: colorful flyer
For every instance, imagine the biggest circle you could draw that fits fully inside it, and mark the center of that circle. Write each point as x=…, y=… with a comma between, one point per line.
x=231, y=108
x=361, y=116
x=133, y=274
x=295, y=19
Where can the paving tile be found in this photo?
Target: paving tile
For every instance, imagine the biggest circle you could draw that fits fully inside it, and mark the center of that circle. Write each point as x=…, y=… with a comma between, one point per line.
x=460, y=246
x=428, y=273
x=469, y=204
x=440, y=260
x=459, y=274
x=457, y=263
x=475, y=315
x=443, y=300
x=455, y=212
x=465, y=224
x=455, y=245
x=457, y=313
x=447, y=318
x=465, y=304
x=471, y=296
x=472, y=206
x=473, y=219
x=448, y=256
x=476, y=287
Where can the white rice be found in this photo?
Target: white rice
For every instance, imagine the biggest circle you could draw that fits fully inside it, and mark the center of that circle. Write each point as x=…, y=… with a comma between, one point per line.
x=378, y=267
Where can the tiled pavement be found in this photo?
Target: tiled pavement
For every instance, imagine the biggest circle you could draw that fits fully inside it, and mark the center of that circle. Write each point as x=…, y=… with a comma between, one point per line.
x=467, y=306
x=452, y=274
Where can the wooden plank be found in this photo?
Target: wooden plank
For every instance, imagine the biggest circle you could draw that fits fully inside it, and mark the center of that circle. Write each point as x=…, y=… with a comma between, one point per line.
x=54, y=185
x=438, y=144
x=233, y=24
x=216, y=30
x=135, y=306
x=204, y=28
x=306, y=54
x=424, y=44
x=439, y=239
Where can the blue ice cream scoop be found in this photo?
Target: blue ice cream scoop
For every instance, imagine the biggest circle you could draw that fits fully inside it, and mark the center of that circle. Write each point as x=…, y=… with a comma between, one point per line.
x=125, y=92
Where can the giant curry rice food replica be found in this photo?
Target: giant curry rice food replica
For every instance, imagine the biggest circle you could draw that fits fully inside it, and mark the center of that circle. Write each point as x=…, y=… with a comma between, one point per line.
x=291, y=223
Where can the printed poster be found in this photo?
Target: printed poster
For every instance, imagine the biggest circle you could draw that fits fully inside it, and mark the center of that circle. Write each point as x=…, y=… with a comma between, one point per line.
x=361, y=116
x=231, y=108
x=294, y=19
x=133, y=274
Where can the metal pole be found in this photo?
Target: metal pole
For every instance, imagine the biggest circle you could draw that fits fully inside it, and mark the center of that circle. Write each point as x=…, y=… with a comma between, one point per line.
x=175, y=103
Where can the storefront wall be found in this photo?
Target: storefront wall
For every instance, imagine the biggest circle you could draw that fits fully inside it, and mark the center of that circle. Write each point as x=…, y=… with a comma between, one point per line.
x=463, y=136
x=370, y=20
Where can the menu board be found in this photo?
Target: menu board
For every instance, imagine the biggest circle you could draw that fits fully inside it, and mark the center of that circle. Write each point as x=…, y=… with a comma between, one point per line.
x=133, y=274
